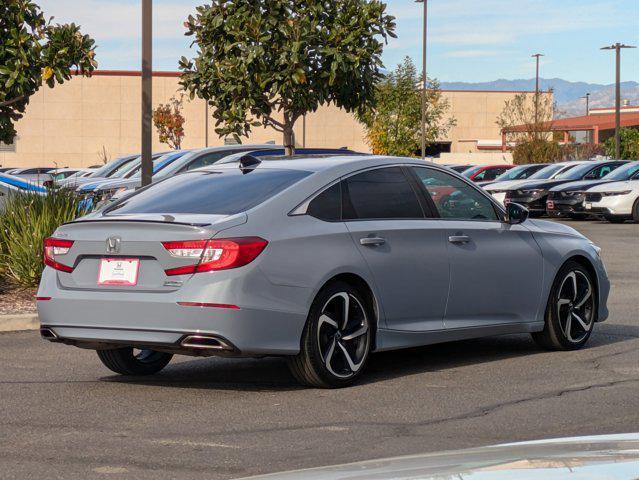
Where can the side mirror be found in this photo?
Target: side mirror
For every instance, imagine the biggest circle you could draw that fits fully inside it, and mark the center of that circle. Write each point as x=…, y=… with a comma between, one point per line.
x=516, y=214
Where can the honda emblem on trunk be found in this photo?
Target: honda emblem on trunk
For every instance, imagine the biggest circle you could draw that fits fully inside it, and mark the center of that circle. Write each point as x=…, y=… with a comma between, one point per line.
x=113, y=245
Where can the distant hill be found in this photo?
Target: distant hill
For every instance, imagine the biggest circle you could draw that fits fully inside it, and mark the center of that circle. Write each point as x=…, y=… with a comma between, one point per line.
x=567, y=94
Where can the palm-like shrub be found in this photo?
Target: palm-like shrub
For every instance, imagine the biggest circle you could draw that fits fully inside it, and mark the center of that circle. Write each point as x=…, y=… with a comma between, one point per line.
x=27, y=219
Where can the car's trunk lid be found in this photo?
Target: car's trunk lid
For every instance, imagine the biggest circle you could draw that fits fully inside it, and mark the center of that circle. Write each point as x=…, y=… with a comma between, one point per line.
x=138, y=237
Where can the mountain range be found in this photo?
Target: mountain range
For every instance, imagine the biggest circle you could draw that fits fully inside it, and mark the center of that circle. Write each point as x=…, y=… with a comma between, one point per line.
x=567, y=94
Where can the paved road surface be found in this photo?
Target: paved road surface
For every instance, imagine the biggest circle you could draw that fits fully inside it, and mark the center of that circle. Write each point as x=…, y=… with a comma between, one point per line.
x=63, y=415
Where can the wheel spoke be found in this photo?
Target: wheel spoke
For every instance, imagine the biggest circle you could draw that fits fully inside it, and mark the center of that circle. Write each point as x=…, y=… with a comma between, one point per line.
x=573, y=277
x=329, y=355
x=568, y=327
x=326, y=319
x=587, y=295
x=357, y=333
x=354, y=367
x=562, y=302
x=580, y=321
x=345, y=312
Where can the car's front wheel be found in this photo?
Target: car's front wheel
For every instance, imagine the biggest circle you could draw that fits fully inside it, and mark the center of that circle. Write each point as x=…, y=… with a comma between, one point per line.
x=336, y=340
x=130, y=361
x=571, y=311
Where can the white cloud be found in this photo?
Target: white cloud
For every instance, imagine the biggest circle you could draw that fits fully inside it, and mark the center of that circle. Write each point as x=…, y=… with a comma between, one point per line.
x=472, y=53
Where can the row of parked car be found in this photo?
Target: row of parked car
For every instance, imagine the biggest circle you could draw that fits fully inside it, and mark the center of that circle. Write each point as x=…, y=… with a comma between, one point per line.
x=575, y=189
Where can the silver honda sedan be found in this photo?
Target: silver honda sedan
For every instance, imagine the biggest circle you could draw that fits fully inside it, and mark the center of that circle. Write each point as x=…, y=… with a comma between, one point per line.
x=322, y=260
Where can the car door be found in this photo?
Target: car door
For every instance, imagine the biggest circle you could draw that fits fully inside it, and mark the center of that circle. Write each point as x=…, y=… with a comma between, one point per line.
x=495, y=268
x=404, y=249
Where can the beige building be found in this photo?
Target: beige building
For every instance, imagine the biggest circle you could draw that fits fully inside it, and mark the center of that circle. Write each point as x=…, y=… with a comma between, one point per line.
x=74, y=123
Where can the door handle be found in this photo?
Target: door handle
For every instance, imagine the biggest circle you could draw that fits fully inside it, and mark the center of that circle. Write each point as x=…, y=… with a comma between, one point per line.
x=459, y=239
x=372, y=241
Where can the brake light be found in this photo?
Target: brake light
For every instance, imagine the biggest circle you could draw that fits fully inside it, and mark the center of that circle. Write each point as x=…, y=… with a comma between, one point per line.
x=215, y=254
x=53, y=248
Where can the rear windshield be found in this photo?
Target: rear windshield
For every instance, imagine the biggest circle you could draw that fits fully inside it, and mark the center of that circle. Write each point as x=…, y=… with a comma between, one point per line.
x=221, y=192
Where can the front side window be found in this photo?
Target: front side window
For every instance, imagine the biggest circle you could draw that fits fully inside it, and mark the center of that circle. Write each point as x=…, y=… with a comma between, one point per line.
x=221, y=192
x=453, y=198
x=383, y=193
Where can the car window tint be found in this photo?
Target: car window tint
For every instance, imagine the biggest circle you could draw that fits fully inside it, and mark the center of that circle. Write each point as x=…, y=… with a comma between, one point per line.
x=223, y=192
x=493, y=173
x=453, y=198
x=383, y=193
x=327, y=205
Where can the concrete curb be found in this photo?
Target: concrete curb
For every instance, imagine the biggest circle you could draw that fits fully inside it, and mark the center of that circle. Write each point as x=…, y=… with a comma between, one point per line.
x=12, y=323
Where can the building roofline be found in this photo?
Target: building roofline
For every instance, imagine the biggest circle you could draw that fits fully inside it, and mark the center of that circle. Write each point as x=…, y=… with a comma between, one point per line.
x=173, y=74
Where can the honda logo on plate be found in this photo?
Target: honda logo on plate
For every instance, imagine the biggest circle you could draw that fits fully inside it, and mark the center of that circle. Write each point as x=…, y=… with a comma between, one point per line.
x=113, y=245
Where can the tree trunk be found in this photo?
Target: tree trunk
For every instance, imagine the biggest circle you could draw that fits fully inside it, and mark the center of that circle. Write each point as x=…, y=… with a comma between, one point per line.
x=289, y=140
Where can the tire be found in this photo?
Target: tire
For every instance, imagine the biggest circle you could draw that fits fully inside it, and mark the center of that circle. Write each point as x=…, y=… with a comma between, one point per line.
x=615, y=219
x=572, y=308
x=334, y=350
x=635, y=211
x=125, y=362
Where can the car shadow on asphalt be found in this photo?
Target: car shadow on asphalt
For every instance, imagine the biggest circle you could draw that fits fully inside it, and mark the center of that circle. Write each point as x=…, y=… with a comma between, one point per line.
x=271, y=373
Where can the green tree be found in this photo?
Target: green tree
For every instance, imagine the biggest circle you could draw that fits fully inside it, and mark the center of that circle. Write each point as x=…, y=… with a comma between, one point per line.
x=629, y=138
x=393, y=126
x=33, y=51
x=269, y=62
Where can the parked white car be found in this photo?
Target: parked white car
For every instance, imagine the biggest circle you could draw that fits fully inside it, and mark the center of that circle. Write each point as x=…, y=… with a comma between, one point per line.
x=498, y=189
x=616, y=202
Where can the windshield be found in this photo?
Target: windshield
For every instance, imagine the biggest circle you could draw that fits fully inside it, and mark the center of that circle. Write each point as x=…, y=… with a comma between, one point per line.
x=548, y=172
x=160, y=163
x=624, y=172
x=577, y=173
x=469, y=172
x=518, y=173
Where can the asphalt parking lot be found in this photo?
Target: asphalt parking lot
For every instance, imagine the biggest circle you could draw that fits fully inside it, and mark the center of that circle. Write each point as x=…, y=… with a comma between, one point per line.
x=64, y=415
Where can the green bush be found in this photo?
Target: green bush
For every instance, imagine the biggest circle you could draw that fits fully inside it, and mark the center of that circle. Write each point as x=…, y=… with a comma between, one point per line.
x=27, y=219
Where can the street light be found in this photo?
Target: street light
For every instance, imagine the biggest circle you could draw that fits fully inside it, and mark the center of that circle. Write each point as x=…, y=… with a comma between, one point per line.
x=147, y=93
x=587, y=97
x=425, y=82
x=536, y=56
x=617, y=48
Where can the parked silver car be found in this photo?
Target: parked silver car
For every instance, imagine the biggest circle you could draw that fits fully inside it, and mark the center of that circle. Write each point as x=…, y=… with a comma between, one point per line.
x=322, y=260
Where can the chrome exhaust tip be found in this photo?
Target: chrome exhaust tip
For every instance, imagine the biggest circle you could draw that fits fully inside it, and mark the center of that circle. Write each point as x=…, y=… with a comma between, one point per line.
x=205, y=342
x=48, y=334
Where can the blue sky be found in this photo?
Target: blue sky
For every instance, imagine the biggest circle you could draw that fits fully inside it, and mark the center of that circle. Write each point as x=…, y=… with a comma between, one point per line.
x=469, y=40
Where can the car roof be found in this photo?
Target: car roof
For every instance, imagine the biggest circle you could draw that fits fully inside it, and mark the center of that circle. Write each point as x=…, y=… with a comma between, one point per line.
x=319, y=163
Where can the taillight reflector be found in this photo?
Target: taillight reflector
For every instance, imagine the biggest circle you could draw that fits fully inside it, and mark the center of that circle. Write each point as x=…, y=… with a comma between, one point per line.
x=42, y=299
x=211, y=305
x=216, y=254
x=53, y=248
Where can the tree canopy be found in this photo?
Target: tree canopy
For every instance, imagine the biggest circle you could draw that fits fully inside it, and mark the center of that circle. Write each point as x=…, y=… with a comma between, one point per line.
x=169, y=122
x=629, y=138
x=34, y=51
x=269, y=62
x=393, y=126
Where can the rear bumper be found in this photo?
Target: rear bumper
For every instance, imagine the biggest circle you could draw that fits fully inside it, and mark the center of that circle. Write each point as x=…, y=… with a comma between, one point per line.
x=268, y=321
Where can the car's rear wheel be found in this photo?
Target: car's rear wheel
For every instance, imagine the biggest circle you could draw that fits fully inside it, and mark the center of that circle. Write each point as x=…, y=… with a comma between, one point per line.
x=129, y=361
x=571, y=311
x=336, y=340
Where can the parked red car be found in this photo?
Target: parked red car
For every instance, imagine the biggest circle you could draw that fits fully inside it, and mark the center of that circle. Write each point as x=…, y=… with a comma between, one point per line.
x=483, y=173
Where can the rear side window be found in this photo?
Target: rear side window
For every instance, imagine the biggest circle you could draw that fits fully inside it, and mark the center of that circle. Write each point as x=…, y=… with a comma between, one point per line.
x=327, y=205
x=384, y=193
x=222, y=192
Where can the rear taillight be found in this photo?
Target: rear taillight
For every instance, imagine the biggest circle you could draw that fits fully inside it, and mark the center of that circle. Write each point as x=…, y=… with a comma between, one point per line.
x=53, y=249
x=209, y=255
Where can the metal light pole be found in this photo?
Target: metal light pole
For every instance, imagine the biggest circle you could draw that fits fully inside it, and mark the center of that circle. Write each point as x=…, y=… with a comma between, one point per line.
x=617, y=48
x=587, y=97
x=536, y=56
x=425, y=81
x=147, y=96
x=206, y=123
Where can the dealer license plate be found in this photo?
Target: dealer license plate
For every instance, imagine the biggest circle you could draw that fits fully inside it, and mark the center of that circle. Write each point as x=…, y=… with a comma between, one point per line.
x=119, y=271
